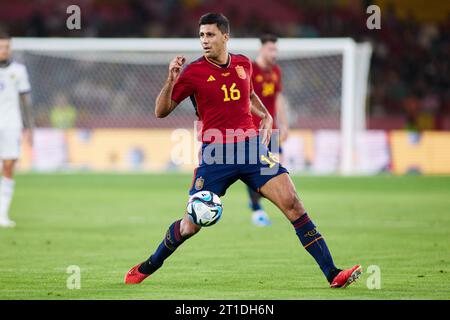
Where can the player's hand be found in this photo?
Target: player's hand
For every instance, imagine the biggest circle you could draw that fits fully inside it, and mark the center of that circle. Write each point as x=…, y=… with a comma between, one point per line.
x=28, y=137
x=265, y=128
x=175, y=67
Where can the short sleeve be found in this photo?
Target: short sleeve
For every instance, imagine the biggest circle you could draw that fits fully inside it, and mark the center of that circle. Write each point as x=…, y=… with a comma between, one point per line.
x=23, y=83
x=183, y=87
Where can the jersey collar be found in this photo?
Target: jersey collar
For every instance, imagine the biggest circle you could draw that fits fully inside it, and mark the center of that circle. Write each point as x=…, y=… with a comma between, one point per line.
x=218, y=65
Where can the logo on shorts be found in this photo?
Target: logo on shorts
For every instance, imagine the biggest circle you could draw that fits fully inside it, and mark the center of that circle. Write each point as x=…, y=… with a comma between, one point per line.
x=241, y=72
x=199, y=182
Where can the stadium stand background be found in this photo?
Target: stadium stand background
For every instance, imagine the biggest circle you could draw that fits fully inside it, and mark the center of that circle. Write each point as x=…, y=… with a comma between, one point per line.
x=414, y=33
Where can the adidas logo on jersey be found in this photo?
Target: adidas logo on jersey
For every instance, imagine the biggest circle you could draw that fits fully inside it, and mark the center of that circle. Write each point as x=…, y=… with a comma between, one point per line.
x=211, y=78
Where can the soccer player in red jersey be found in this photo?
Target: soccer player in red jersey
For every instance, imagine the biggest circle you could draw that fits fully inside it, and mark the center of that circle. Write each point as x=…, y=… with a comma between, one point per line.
x=267, y=85
x=220, y=86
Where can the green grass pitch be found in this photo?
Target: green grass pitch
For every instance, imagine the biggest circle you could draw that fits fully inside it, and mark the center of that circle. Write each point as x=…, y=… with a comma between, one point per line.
x=106, y=223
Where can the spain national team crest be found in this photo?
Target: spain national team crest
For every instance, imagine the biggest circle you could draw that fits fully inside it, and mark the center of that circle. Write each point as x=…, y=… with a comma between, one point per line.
x=199, y=182
x=241, y=72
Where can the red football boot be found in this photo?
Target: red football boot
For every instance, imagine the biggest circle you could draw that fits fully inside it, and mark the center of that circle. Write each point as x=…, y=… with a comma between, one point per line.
x=134, y=276
x=346, y=277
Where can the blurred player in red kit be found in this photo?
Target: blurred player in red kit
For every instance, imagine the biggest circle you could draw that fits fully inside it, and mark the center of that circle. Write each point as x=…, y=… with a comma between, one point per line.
x=268, y=87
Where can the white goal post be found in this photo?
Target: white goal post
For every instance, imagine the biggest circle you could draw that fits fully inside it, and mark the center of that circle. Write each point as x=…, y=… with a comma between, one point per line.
x=333, y=73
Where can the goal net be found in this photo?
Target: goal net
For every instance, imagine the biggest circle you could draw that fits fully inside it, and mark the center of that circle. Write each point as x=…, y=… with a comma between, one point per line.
x=113, y=83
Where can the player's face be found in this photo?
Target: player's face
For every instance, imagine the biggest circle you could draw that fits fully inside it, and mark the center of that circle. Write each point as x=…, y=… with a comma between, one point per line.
x=269, y=52
x=213, y=41
x=5, y=49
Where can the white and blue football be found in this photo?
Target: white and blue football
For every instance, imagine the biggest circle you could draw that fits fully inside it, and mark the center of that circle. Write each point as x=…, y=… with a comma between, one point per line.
x=204, y=208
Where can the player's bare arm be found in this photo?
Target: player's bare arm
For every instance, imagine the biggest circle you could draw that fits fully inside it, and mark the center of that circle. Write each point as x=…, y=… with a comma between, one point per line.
x=258, y=108
x=283, y=123
x=28, y=118
x=164, y=103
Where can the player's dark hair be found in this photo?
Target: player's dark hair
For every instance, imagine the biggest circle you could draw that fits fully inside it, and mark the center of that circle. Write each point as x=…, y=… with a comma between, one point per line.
x=215, y=18
x=268, y=37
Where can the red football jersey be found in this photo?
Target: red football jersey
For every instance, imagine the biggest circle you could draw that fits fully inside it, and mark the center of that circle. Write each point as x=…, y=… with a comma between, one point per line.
x=220, y=94
x=267, y=85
